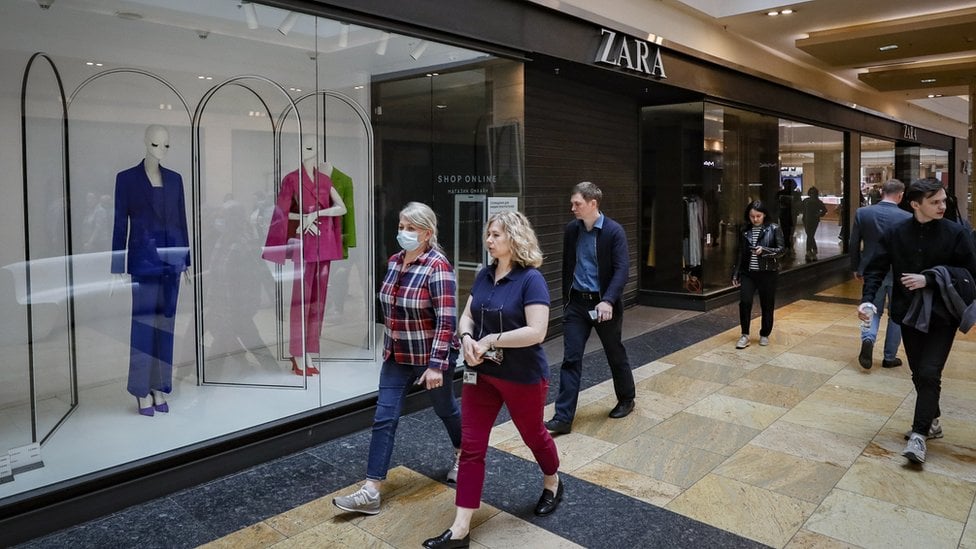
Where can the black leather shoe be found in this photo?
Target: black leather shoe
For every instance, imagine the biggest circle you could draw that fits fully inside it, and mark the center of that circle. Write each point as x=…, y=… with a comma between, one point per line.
x=548, y=502
x=622, y=409
x=867, y=349
x=557, y=427
x=893, y=363
x=444, y=541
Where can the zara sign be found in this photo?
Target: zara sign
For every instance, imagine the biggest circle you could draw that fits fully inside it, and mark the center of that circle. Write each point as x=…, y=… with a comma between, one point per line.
x=620, y=50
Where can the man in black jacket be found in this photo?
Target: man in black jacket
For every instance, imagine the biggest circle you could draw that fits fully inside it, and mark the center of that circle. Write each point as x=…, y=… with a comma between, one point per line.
x=595, y=270
x=908, y=248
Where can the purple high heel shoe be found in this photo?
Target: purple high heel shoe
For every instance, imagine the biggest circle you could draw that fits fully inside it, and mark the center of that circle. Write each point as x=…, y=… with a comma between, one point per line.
x=162, y=408
x=148, y=411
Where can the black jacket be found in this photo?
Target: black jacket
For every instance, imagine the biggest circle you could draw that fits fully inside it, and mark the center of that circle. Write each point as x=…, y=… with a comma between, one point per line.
x=771, y=240
x=912, y=247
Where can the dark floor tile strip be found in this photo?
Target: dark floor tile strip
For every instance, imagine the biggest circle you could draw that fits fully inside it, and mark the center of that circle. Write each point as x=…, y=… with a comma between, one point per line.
x=834, y=299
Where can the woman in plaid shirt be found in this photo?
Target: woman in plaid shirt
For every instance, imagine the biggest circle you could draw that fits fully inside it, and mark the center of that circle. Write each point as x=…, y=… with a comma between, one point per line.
x=419, y=346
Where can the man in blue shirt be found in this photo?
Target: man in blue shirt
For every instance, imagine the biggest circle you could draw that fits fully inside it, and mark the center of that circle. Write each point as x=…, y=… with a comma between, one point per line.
x=594, y=272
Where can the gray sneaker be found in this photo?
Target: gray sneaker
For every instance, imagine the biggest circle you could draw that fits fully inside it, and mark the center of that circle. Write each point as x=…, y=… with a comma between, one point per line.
x=935, y=430
x=763, y=341
x=915, y=449
x=452, y=474
x=359, y=502
x=743, y=342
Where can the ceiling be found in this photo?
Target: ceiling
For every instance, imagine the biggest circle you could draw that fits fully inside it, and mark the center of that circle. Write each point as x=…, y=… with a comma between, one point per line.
x=932, y=66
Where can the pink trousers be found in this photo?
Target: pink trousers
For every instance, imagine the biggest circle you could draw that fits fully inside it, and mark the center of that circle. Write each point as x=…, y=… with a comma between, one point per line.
x=308, y=305
x=480, y=405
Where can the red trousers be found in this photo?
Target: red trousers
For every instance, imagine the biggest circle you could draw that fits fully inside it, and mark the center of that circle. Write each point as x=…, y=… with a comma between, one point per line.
x=480, y=405
x=308, y=305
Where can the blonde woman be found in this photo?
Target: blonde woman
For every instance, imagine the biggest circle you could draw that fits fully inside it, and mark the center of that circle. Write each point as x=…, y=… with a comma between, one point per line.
x=420, y=315
x=502, y=329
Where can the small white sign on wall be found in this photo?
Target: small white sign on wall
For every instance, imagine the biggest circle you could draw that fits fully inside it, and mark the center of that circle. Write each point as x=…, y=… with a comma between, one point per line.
x=501, y=204
x=25, y=458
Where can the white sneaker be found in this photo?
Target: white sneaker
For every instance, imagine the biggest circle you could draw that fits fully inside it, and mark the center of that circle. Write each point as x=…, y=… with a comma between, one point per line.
x=743, y=342
x=359, y=501
x=763, y=341
x=935, y=430
x=452, y=474
x=915, y=449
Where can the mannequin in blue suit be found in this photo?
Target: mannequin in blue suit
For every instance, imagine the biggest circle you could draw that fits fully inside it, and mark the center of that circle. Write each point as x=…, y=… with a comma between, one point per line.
x=150, y=243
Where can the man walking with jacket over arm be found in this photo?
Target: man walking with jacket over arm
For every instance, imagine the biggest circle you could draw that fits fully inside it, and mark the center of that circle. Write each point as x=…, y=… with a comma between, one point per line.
x=911, y=248
x=595, y=271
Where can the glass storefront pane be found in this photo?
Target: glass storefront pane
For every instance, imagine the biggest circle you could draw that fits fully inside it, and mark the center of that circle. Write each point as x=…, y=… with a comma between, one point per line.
x=813, y=158
x=235, y=105
x=710, y=161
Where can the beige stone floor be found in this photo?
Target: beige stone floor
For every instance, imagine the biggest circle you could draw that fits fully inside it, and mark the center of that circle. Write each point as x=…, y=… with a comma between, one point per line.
x=793, y=445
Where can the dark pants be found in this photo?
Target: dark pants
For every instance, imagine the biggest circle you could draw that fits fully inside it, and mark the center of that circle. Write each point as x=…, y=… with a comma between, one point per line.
x=151, y=340
x=577, y=325
x=927, y=354
x=763, y=282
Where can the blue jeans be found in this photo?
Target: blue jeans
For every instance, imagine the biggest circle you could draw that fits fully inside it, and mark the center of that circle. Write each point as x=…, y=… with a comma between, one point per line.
x=395, y=382
x=893, y=335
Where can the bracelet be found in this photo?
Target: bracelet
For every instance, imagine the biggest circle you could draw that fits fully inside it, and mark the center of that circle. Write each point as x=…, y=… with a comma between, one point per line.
x=466, y=334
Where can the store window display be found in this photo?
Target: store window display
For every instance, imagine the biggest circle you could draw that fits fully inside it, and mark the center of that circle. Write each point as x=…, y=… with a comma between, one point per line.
x=306, y=226
x=150, y=244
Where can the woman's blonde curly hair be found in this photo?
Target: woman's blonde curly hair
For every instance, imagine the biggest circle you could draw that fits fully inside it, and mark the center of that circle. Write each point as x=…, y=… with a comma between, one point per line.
x=521, y=237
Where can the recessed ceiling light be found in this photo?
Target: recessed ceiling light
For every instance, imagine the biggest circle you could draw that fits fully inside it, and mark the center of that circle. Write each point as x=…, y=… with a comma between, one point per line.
x=772, y=13
x=927, y=80
x=888, y=47
x=358, y=87
x=787, y=11
x=934, y=95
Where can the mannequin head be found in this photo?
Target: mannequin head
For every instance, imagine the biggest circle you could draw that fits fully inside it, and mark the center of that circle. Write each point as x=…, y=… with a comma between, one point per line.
x=157, y=142
x=310, y=147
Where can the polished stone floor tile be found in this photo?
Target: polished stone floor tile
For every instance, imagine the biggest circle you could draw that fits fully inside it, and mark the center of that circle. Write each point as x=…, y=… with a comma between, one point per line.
x=782, y=473
x=704, y=433
x=747, y=358
x=665, y=460
x=773, y=394
x=593, y=420
x=736, y=410
x=808, y=363
x=810, y=443
x=854, y=398
x=820, y=415
x=877, y=380
x=867, y=522
x=968, y=540
x=575, y=449
x=910, y=487
x=812, y=347
x=253, y=537
x=802, y=380
x=505, y=530
x=628, y=482
x=722, y=374
x=339, y=536
x=651, y=369
x=805, y=539
x=751, y=512
x=685, y=390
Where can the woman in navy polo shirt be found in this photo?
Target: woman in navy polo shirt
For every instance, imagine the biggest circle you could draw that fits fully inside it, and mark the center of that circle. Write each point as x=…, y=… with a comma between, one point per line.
x=502, y=329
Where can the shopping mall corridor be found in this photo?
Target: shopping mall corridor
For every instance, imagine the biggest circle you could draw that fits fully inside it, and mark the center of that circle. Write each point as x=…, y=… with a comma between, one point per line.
x=791, y=445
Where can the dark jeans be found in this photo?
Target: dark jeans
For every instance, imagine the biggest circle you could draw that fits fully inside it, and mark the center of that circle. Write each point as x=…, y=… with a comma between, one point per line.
x=763, y=282
x=395, y=382
x=927, y=354
x=577, y=325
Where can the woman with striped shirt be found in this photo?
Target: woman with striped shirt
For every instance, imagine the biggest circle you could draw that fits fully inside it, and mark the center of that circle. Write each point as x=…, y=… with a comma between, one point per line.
x=761, y=243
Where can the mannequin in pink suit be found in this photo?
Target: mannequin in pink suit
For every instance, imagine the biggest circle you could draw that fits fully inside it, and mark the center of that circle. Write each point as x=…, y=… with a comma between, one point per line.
x=316, y=230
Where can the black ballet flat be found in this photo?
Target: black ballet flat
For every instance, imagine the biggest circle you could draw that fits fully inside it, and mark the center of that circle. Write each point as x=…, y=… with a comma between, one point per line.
x=444, y=541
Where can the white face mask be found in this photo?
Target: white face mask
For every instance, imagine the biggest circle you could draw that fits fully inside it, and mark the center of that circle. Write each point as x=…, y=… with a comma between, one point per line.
x=408, y=240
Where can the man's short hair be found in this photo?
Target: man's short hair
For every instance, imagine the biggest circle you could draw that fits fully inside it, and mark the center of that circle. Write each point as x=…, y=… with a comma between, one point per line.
x=920, y=189
x=892, y=187
x=588, y=191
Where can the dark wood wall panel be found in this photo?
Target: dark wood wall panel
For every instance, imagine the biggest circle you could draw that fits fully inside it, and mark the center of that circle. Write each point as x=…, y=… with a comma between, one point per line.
x=575, y=132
